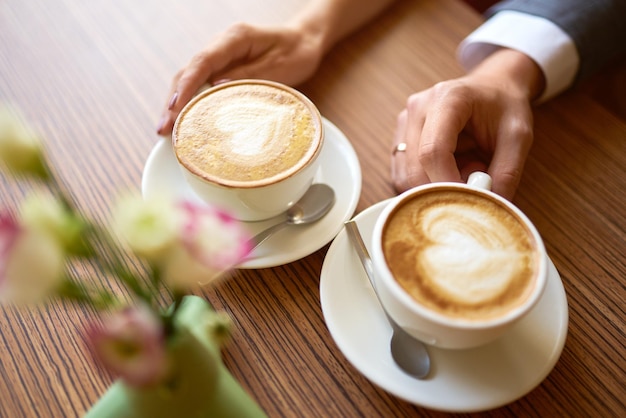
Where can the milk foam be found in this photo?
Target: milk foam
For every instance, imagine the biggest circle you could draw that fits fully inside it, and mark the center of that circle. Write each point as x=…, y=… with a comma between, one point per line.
x=254, y=129
x=470, y=257
x=461, y=255
x=247, y=135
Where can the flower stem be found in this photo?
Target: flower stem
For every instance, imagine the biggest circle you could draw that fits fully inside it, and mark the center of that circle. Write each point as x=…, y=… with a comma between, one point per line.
x=76, y=292
x=170, y=314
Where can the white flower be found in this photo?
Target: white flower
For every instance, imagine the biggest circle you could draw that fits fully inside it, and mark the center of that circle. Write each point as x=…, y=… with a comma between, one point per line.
x=188, y=242
x=32, y=263
x=150, y=227
x=20, y=147
x=45, y=213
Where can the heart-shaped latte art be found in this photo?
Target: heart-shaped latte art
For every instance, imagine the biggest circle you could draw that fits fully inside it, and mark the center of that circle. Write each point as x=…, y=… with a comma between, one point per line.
x=470, y=257
x=254, y=129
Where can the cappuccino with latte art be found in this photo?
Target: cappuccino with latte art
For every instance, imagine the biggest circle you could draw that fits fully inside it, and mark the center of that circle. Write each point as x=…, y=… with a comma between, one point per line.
x=247, y=134
x=457, y=265
x=461, y=255
x=249, y=146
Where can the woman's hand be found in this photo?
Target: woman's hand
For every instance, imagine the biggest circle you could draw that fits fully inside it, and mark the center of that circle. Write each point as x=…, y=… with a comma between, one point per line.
x=289, y=54
x=481, y=121
x=282, y=54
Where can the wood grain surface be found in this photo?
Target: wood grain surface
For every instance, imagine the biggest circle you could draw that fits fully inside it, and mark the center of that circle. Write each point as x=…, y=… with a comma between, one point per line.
x=92, y=76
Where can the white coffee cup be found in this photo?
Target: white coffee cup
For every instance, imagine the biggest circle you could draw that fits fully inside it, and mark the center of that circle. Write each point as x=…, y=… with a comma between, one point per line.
x=249, y=146
x=471, y=263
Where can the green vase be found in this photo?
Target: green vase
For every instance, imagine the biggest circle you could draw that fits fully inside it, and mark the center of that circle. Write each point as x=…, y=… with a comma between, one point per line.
x=199, y=385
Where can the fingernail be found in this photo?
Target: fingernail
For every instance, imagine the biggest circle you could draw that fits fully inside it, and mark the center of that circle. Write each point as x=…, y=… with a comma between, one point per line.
x=221, y=81
x=172, y=102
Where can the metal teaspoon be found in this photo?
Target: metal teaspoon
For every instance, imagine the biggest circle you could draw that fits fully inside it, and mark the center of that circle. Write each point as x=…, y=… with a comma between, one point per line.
x=409, y=353
x=316, y=202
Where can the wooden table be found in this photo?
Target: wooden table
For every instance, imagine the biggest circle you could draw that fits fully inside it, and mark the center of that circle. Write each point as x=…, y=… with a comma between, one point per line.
x=92, y=77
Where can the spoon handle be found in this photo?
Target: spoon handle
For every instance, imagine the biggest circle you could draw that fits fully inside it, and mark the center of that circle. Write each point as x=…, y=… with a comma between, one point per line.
x=361, y=250
x=266, y=233
x=409, y=353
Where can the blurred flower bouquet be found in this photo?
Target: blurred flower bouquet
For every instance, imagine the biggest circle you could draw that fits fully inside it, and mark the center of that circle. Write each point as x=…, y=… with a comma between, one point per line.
x=180, y=244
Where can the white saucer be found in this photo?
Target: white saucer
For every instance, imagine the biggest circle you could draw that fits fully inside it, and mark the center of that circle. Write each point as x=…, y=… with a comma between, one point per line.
x=461, y=381
x=339, y=169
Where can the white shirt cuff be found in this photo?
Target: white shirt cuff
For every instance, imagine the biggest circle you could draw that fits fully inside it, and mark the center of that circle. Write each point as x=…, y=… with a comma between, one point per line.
x=546, y=43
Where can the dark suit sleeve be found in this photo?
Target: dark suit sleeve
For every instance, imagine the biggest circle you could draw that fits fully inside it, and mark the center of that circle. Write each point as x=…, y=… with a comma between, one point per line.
x=597, y=27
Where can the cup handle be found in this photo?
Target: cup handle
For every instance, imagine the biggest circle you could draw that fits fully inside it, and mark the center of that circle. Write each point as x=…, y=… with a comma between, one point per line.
x=480, y=180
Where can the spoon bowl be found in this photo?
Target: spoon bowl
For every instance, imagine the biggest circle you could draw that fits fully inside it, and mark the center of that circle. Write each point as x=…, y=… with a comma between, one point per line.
x=316, y=202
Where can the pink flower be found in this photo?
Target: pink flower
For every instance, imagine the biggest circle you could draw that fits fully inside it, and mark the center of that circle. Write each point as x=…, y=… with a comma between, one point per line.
x=32, y=263
x=213, y=236
x=190, y=243
x=131, y=344
x=9, y=231
x=211, y=242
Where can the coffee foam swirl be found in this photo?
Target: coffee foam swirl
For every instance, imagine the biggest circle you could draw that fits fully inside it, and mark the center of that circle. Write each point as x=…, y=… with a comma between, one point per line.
x=248, y=134
x=470, y=258
x=460, y=255
x=254, y=130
